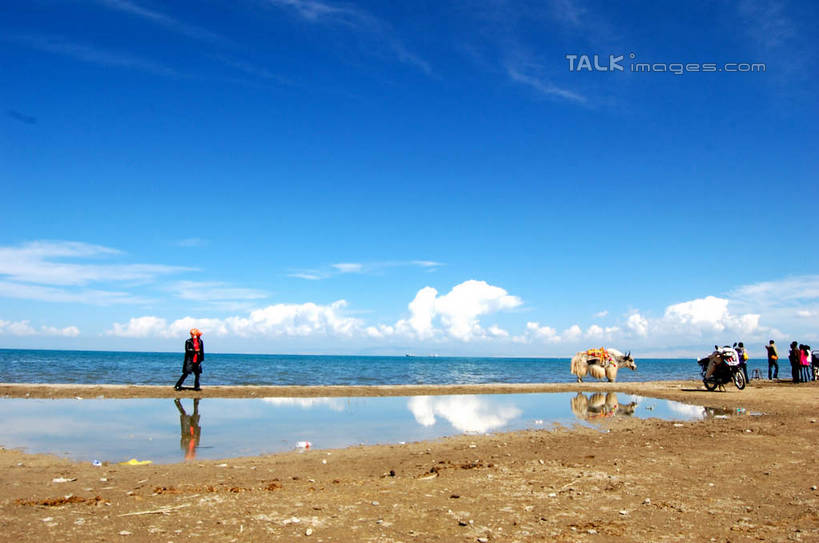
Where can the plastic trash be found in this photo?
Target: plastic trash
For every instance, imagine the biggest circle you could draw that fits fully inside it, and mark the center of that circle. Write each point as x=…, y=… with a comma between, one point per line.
x=97, y=463
x=304, y=444
x=135, y=462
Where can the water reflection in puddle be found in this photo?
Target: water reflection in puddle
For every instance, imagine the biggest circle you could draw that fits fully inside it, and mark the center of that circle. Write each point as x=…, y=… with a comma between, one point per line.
x=174, y=430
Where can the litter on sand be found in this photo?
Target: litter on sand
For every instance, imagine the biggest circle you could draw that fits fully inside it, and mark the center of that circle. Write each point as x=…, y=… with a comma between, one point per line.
x=135, y=462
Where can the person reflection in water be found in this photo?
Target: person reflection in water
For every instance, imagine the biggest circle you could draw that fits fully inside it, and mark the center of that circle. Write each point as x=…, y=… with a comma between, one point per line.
x=189, y=429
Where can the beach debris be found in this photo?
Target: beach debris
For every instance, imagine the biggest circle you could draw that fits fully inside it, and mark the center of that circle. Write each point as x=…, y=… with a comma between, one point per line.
x=483, y=540
x=813, y=487
x=647, y=501
x=292, y=520
x=323, y=460
x=428, y=476
x=623, y=512
x=63, y=479
x=96, y=463
x=135, y=462
x=125, y=532
x=304, y=445
x=539, y=422
x=221, y=465
x=47, y=519
x=308, y=532
x=161, y=511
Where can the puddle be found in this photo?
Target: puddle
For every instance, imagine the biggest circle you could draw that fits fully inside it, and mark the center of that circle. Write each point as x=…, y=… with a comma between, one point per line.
x=167, y=431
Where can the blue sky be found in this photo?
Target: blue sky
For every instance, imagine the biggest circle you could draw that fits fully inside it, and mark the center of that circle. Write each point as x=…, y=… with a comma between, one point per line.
x=358, y=177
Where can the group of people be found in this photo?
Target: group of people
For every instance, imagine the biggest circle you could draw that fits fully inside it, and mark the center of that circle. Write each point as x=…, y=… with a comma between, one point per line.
x=802, y=360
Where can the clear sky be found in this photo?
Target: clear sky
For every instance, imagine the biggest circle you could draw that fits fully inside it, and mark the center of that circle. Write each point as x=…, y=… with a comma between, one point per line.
x=319, y=176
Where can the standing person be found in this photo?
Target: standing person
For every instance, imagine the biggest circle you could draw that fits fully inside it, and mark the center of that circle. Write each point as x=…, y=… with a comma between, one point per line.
x=742, y=354
x=773, y=356
x=794, y=357
x=194, y=355
x=805, y=361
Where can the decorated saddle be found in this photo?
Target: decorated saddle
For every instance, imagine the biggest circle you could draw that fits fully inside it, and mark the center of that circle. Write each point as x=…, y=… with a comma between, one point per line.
x=600, y=356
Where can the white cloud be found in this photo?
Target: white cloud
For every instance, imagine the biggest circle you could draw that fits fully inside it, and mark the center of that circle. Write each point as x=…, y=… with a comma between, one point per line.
x=273, y=321
x=23, y=328
x=68, y=331
x=637, y=324
x=349, y=267
x=21, y=291
x=192, y=242
x=572, y=333
x=91, y=54
x=546, y=88
x=210, y=291
x=709, y=314
x=42, y=262
x=805, y=313
x=601, y=314
x=457, y=311
x=358, y=20
x=466, y=413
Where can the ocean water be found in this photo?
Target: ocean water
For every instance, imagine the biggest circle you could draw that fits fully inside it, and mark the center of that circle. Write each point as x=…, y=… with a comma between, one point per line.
x=145, y=368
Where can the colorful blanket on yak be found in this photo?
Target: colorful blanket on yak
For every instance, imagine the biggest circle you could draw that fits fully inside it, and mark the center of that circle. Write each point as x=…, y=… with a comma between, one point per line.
x=601, y=356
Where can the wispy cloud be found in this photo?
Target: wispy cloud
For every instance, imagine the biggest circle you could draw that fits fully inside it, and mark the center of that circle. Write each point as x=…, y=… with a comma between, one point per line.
x=349, y=267
x=362, y=268
x=43, y=262
x=767, y=22
x=21, y=117
x=544, y=87
x=40, y=293
x=161, y=19
x=191, y=242
x=90, y=54
x=356, y=20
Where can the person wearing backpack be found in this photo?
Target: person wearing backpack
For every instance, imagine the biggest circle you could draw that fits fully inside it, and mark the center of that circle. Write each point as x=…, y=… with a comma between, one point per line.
x=743, y=359
x=773, y=356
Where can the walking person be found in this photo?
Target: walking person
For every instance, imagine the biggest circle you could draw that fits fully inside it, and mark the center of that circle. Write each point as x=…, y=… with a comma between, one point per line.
x=794, y=357
x=773, y=356
x=194, y=355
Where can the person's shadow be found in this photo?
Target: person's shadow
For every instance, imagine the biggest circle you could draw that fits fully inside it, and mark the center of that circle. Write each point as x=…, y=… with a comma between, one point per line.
x=189, y=429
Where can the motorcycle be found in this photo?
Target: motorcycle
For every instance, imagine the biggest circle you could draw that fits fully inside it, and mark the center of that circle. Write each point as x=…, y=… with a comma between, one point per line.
x=727, y=368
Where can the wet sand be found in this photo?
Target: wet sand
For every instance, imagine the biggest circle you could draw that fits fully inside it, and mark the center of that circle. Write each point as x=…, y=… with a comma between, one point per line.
x=742, y=478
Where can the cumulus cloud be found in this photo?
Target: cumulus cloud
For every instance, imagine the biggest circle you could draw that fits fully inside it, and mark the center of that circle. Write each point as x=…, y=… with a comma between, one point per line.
x=457, y=311
x=23, y=328
x=272, y=321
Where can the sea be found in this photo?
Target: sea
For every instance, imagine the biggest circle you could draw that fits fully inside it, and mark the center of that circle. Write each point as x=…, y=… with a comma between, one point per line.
x=150, y=368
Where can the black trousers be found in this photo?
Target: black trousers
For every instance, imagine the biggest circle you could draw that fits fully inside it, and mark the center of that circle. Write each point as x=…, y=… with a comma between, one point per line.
x=185, y=376
x=772, y=364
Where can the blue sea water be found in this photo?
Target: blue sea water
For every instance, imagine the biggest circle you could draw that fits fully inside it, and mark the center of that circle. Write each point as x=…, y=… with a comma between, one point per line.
x=145, y=368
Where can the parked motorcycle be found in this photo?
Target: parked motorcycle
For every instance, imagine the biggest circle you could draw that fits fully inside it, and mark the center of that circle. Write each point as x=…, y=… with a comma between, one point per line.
x=726, y=368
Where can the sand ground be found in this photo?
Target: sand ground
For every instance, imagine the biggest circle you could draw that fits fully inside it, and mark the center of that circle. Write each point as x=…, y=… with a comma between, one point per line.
x=742, y=478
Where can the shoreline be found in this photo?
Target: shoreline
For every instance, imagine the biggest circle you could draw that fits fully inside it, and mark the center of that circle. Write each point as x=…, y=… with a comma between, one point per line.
x=742, y=478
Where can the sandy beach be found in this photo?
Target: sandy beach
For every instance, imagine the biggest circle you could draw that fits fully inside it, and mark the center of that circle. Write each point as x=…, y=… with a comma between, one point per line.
x=741, y=478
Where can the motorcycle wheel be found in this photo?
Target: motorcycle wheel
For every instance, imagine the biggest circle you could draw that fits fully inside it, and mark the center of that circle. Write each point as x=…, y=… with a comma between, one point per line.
x=710, y=384
x=739, y=380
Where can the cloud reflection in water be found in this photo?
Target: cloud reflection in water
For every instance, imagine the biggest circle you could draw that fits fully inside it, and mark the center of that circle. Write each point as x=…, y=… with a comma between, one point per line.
x=469, y=414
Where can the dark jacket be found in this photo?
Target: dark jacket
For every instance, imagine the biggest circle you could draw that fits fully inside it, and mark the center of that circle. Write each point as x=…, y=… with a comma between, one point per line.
x=188, y=366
